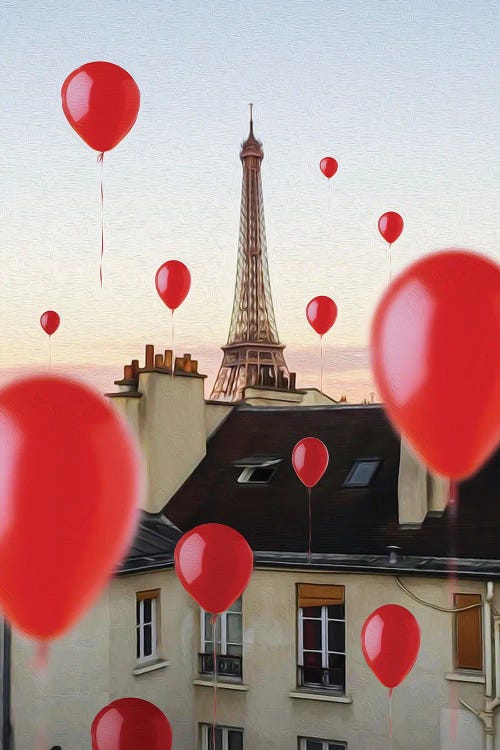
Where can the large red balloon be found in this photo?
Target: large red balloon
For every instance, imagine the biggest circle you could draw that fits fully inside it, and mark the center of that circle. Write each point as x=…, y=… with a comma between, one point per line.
x=173, y=282
x=214, y=564
x=310, y=460
x=70, y=488
x=321, y=312
x=131, y=724
x=328, y=166
x=390, y=640
x=435, y=356
x=49, y=321
x=101, y=102
x=390, y=226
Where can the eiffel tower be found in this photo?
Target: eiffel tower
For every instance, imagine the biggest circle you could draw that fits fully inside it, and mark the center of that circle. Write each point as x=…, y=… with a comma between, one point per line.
x=253, y=355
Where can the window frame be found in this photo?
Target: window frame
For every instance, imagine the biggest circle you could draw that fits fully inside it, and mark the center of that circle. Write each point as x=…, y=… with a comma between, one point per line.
x=224, y=643
x=206, y=735
x=325, y=650
x=141, y=596
x=357, y=485
x=341, y=745
x=456, y=660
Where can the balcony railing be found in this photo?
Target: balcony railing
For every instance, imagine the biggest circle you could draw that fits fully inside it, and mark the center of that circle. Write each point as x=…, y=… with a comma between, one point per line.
x=227, y=666
x=319, y=677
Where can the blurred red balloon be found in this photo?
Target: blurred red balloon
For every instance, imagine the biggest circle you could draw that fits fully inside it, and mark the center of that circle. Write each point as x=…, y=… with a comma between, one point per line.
x=131, y=724
x=101, y=102
x=173, y=282
x=390, y=640
x=321, y=312
x=214, y=564
x=328, y=166
x=390, y=226
x=435, y=356
x=50, y=322
x=70, y=479
x=310, y=460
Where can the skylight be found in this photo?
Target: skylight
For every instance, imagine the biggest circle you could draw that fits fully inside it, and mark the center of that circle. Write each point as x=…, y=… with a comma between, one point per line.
x=362, y=472
x=257, y=469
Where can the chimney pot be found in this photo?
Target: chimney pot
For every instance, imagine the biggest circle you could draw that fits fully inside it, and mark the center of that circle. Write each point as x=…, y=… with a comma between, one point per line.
x=293, y=378
x=158, y=361
x=393, y=551
x=150, y=354
x=168, y=359
x=135, y=368
x=194, y=365
x=128, y=373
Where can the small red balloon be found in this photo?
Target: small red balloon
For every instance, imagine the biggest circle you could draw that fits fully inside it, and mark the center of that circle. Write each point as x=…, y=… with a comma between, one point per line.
x=310, y=460
x=328, y=166
x=390, y=226
x=390, y=640
x=131, y=724
x=50, y=322
x=435, y=357
x=70, y=479
x=321, y=312
x=173, y=282
x=101, y=102
x=214, y=564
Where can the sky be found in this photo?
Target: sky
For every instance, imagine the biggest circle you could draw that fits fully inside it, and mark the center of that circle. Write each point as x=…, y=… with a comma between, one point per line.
x=403, y=94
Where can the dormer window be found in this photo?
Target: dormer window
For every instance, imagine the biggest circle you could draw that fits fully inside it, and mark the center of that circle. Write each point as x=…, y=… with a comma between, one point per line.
x=362, y=472
x=257, y=469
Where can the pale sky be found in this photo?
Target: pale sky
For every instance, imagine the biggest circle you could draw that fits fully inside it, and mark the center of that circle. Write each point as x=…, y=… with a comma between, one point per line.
x=403, y=94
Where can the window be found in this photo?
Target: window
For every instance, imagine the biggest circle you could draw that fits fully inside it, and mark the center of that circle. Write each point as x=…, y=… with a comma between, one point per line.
x=229, y=642
x=147, y=613
x=226, y=738
x=362, y=472
x=257, y=469
x=307, y=743
x=468, y=633
x=321, y=636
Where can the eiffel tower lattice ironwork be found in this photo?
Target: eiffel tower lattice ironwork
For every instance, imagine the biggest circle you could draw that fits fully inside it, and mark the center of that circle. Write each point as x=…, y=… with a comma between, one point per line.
x=253, y=354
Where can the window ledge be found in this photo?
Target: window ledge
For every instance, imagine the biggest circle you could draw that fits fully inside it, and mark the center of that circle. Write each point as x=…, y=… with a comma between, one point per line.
x=224, y=685
x=320, y=696
x=476, y=677
x=150, y=667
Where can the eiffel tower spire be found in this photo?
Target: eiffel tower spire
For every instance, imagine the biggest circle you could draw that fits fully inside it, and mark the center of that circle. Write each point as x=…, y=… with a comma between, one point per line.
x=253, y=354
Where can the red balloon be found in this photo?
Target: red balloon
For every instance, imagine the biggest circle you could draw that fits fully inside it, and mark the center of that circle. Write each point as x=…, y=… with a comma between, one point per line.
x=214, y=564
x=328, y=166
x=321, y=312
x=435, y=356
x=390, y=226
x=70, y=481
x=310, y=460
x=390, y=640
x=101, y=102
x=131, y=724
x=173, y=282
x=50, y=322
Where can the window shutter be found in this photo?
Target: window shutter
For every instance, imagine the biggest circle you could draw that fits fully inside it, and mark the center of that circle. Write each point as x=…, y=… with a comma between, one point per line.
x=314, y=595
x=468, y=633
x=141, y=595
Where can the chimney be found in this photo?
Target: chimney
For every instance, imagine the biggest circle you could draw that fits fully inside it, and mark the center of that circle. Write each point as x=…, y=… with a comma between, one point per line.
x=167, y=414
x=412, y=489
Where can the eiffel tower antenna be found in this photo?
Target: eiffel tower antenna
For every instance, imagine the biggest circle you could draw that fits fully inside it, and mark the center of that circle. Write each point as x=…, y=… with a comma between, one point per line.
x=253, y=354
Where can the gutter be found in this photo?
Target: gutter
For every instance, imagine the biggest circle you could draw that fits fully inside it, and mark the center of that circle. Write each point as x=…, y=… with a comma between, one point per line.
x=6, y=662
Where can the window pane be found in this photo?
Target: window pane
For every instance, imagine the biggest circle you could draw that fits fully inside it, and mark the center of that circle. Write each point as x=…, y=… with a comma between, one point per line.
x=209, y=645
x=234, y=628
x=235, y=740
x=336, y=746
x=314, y=745
x=311, y=612
x=236, y=607
x=137, y=612
x=336, y=674
x=312, y=671
x=311, y=630
x=147, y=610
x=336, y=612
x=336, y=636
x=234, y=650
x=148, y=642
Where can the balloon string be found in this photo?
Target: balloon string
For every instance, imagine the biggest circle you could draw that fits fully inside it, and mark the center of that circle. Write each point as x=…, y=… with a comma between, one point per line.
x=321, y=363
x=452, y=580
x=172, y=340
x=214, y=631
x=390, y=718
x=329, y=196
x=310, y=525
x=390, y=263
x=100, y=161
x=50, y=353
x=39, y=667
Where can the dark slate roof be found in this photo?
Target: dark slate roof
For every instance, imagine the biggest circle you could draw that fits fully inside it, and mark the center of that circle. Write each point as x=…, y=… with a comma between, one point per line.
x=351, y=527
x=153, y=546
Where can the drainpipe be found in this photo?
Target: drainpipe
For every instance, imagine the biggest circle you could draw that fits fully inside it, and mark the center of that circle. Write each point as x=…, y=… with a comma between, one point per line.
x=492, y=701
x=6, y=728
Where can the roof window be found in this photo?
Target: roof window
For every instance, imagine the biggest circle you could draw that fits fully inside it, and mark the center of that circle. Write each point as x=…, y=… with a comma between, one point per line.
x=257, y=469
x=362, y=472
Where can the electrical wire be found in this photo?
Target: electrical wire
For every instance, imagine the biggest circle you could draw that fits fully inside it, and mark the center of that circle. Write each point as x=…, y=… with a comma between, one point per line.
x=435, y=606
